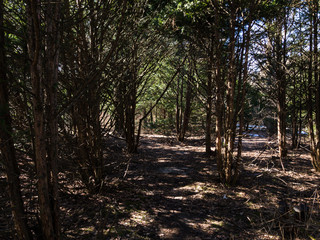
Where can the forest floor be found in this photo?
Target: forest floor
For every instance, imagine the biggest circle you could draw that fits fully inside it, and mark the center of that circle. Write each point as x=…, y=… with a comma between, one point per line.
x=171, y=190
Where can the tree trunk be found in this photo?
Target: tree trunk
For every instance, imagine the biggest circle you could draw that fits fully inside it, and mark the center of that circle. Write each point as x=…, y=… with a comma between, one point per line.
x=209, y=103
x=229, y=170
x=281, y=91
x=294, y=121
x=52, y=61
x=42, y=168
x=130, y=111
x=178, y=109
x=316, y=147
x=219, y=92
x=119, y=108
x=7, y=146
x=243, y=93
x=186, y=114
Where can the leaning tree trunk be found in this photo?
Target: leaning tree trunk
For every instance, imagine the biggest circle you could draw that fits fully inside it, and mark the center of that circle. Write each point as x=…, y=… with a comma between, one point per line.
x=7, y=147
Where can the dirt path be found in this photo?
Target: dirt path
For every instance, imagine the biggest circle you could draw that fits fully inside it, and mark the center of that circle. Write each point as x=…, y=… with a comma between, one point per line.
x=170, y=190
x=174, y=192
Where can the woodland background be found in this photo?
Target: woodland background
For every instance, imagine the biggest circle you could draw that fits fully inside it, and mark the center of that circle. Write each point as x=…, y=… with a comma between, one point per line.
x=92, y=91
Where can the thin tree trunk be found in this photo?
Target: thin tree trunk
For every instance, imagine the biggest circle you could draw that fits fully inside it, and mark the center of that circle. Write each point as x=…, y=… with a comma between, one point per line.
x=219, y=92
x=187, y=112
x=316, y=160
x=294, y=114
x=7, y=147
x=208, y=117
x=178, y=110
x=209, y=99
x=52, y=61
x=130, y=111
x=309, y=97
x=281, y=94
x=119, y=109
x=230, y=116
x=243, y=94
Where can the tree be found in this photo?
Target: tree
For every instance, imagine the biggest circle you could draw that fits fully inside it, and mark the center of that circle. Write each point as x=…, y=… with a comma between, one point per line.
x=314, y=86
x=90, y=40
x=7, y=148
x=229, y=106
x=44, y=103
x=187, y=109
x=275, y=66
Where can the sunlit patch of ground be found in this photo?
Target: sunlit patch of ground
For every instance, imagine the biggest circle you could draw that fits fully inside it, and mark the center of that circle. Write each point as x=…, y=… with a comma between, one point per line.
x=138, y=217
x=171, y=190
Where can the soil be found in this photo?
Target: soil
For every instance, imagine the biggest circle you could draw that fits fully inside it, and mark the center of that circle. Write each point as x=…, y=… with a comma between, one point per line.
x=171, y=190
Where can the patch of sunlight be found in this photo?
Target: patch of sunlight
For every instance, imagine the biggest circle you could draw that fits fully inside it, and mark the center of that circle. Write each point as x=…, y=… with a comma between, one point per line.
x=176, y=197
x=195, y=187
x=148, y=193
x=255, y=206
x=243, y=195
x=168, y=233
x=87, y=229
x=118, y=231
x=199, y=188
x=163, y=160
x=215, y=223
x=139, y=217
x=140, y=178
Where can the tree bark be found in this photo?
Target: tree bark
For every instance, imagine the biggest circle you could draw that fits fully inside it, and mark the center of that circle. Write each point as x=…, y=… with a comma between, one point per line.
x=243, y=93
x=187, y=112
x=229, y=170
x=52, y=61
x=219, y=92
x=316, y=147
x=7, y=146
x=282, y=84
x=209, y=94
x=178, y=109
x=294, y=114
x=42, y=168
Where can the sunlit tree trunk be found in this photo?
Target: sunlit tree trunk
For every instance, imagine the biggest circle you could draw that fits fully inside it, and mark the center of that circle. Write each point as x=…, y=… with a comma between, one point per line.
x=219, y=92
x=280, y=42
x=229, y=170
x=243, y=93
x=209, y=95
x=314, y=75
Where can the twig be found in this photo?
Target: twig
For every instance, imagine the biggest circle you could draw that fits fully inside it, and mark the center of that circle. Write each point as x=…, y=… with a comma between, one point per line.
x=127, y=168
